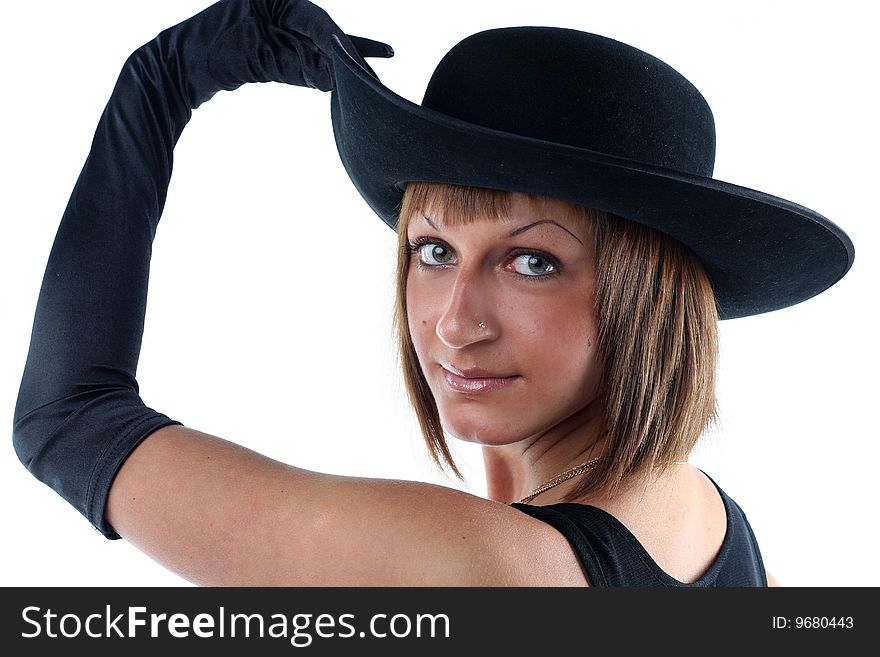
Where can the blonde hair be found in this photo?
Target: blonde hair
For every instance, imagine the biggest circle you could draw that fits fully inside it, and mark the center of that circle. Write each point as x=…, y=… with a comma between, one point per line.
x=657, y=342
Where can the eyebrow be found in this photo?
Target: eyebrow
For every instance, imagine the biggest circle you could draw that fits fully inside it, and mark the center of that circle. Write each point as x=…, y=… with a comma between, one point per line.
x=523, y=229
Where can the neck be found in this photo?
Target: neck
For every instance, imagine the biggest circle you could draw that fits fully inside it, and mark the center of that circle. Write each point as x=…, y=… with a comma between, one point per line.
x=514, y=470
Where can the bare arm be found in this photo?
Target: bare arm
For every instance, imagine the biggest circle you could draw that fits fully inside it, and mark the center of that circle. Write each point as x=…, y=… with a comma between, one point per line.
x=219, y=514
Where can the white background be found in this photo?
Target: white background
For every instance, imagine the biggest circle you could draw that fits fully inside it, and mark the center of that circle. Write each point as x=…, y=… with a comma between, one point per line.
x=268, y=319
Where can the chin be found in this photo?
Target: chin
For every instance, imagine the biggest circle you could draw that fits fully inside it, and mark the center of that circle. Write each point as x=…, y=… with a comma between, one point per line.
x=482, y=430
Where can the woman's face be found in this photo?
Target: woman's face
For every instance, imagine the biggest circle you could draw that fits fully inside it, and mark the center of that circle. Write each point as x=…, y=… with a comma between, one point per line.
x=501, y=317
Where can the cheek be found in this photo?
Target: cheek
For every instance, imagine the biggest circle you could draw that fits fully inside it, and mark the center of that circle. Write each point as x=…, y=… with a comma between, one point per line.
x=420, y=313
x=559, y=338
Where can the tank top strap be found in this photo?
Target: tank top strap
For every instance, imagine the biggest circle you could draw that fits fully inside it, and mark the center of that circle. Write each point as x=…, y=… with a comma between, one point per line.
x=612, y=556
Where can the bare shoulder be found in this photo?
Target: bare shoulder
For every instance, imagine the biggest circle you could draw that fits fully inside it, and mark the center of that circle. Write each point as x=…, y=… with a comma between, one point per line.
x=219, y=514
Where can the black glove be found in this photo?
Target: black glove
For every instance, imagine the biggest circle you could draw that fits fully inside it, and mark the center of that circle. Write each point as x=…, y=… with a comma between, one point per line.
x=78, y=414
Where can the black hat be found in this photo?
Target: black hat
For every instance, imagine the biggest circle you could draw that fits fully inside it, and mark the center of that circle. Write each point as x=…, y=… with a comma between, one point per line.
x=584, y=118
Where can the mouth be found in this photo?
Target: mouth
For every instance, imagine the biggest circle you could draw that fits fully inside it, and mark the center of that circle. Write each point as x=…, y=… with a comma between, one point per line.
x=476, y=380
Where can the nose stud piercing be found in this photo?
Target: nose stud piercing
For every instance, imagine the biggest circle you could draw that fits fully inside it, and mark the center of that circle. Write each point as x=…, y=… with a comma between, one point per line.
x=482, y=325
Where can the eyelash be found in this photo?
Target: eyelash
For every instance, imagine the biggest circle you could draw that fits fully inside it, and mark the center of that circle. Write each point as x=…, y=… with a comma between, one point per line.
x=415, y=246
x=419, y=242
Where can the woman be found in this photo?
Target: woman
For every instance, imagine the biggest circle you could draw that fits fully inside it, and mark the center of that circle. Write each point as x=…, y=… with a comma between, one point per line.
x=276, y=524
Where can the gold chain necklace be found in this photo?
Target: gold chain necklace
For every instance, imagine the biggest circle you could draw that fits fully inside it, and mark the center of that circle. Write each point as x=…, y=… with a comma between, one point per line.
x=558, y=479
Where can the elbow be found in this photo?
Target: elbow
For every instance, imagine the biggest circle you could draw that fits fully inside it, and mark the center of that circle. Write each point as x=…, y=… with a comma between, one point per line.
x=77, y=443
x=35, y=432
x=28, y=437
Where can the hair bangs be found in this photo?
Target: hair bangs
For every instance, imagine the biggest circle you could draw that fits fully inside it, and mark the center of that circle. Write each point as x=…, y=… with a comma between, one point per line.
x=457, y=205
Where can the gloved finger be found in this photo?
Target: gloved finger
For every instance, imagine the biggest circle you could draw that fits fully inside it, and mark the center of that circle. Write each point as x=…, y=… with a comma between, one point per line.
x=348, y=45
x=370, y=48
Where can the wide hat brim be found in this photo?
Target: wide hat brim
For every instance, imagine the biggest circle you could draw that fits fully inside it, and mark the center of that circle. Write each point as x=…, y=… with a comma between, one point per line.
x=761, y=252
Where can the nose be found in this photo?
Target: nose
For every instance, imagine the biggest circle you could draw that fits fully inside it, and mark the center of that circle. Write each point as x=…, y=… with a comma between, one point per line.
x=468, y=316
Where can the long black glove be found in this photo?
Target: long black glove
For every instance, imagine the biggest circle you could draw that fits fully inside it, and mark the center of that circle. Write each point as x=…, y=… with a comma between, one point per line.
x=78, y=414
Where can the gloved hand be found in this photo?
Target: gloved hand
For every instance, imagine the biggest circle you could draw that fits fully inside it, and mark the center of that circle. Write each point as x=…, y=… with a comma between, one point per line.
x=78, y=414
x=234, y=42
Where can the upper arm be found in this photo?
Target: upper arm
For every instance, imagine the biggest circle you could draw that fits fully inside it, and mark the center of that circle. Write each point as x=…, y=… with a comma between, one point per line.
x=219, y=514
x=771, y=581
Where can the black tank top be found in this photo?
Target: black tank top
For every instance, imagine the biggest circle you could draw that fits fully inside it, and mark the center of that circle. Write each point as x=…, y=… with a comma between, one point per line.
x=612, y=556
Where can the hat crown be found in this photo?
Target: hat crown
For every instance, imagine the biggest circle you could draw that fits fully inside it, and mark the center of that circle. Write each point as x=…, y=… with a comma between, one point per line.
x=580, y=89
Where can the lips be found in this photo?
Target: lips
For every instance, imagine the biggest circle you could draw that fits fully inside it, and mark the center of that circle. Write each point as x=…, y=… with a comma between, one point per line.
x=475, y=380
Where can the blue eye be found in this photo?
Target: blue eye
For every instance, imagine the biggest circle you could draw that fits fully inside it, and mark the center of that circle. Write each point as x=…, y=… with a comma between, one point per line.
x=434, y=254
x=529, y=264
